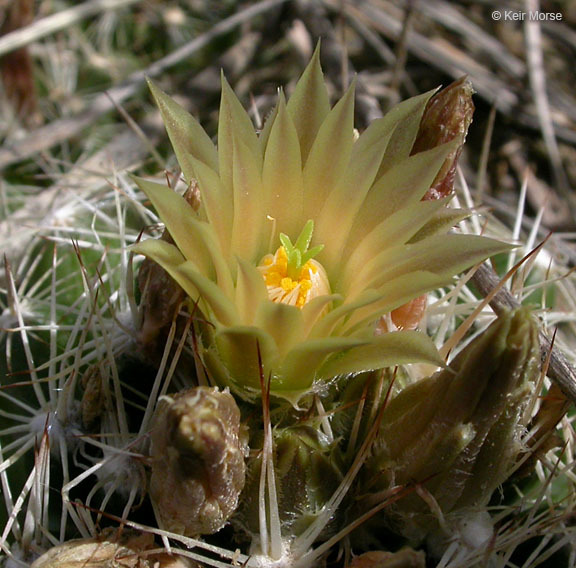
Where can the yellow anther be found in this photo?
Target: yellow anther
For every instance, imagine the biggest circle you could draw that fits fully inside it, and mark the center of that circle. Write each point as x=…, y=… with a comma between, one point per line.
x=311, y=281
x=288, y=284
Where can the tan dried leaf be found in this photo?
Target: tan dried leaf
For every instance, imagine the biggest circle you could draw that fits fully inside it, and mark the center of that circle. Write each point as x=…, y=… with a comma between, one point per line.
x=112, y=549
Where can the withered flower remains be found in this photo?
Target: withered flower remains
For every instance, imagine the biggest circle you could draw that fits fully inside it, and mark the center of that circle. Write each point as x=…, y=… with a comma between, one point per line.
x=198, y=470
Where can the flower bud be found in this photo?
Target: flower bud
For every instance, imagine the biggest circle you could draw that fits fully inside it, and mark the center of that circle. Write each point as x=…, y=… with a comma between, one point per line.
x=198, y=472
x=458, y=432
x=447, y=117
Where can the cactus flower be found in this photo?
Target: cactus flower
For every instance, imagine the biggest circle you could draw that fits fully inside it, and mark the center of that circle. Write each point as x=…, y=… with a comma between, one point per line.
x=306, y=235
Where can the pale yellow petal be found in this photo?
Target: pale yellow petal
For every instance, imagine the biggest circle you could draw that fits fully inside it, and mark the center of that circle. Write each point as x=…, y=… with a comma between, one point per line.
x=441, y=222
x=401, y=186
x=395, y=230
x=249, y=224
x=221, y=305
x=325, y=326
x=234, y=124
x=219, y=208
x=283, y=322
x=364, y=168
x=282, y=174
x=248, y=354
x=195, y=284
x=169, y=258
x=402, y=141
x=181, y=221
x=250, y=291
x=160, y=251
x=299, y=368
x=398, y=348
x=264, y=135
x=330, y=153
x=309, y=104
x=443, y=255
x=315, y=309
x=391, y=295
x=346, y=196
x=188, y=138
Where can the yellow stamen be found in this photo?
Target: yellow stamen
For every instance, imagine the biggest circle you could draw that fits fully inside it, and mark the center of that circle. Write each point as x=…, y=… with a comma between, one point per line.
x=309, y=283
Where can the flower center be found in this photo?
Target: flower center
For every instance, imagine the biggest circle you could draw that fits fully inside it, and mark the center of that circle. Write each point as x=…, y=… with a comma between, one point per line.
x=292, y=276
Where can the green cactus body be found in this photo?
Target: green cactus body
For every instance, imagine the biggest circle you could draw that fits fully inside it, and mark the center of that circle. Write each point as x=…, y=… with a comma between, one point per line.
x=306, y=477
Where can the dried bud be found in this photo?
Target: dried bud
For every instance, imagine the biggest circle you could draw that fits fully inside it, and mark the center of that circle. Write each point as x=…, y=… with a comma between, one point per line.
x=447, y=117
x=198, y=467
x=161, y=294
x=94, y=399
x=161, y=297
x=112, y=549
x=458, y=432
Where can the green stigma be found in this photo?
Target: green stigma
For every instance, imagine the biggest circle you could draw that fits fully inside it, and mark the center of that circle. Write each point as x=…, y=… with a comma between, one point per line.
x=298, y=253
